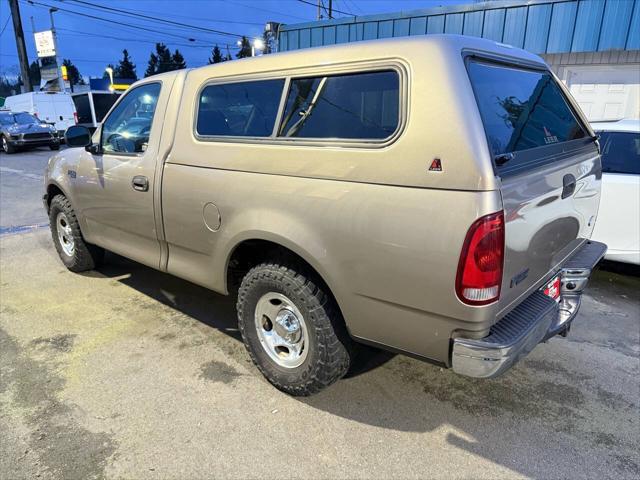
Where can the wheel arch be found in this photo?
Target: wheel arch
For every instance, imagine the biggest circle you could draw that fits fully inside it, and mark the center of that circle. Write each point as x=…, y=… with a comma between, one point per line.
x=254, y=249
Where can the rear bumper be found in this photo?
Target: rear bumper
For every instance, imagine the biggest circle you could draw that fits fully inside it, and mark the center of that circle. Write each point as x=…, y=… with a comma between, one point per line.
x=535, y=320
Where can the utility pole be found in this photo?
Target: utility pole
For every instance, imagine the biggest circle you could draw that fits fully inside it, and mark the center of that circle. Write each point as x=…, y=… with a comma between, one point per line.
x=22, y=50
x=319, y=10
x=55, y=46
x=330, y=9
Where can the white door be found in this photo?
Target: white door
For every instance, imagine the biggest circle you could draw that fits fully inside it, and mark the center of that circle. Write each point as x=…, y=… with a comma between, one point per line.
x=605, y=92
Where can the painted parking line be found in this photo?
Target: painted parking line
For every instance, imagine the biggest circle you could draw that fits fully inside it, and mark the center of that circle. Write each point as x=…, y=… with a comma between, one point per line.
x=17, y=229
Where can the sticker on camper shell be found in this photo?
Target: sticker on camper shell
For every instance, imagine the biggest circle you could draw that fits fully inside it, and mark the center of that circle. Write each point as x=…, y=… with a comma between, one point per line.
x=436, y=165
x=548, y=138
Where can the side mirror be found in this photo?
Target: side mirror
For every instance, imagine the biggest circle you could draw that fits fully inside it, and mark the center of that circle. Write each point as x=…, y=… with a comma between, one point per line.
x=77, y=136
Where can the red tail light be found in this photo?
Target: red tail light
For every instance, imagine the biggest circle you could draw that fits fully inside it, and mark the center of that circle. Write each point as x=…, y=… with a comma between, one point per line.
x=75, y=117
x=481, y=261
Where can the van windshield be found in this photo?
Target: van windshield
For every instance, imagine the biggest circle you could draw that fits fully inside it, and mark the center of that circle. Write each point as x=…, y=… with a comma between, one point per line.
x=521, y=109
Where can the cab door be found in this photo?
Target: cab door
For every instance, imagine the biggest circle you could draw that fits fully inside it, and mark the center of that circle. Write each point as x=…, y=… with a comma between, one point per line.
x=116, y=184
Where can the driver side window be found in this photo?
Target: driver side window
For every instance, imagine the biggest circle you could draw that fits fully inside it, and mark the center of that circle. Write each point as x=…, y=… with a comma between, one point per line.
x=127, y=128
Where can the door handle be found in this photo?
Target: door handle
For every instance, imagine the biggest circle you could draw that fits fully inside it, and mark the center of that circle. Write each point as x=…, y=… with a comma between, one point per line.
x=568, y=185
x=140, y=183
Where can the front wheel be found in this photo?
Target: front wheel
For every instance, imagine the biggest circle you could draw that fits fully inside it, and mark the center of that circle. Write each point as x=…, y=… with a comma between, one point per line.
x=292, y=329
x=55, y=146
x=76, y=254
x=6, y=146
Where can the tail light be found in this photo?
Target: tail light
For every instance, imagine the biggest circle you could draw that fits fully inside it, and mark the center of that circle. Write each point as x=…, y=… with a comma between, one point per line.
x=481, y=261
x=75, y=117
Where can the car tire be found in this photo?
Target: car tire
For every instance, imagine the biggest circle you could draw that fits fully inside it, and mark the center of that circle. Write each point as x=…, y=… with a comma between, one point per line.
x=272, y=299
x=54, y=147
x=6, y=146
x=76, y=254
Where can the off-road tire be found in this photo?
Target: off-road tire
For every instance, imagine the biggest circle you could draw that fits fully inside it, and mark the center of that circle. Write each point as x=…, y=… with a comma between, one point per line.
x=330, y=349
x=85, y=255
x=6, y=146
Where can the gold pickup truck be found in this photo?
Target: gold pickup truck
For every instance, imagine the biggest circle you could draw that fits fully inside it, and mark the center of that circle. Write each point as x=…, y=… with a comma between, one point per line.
x=432, y=196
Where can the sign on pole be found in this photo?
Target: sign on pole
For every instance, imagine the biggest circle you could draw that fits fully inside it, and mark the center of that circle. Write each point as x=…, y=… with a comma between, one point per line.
x=45, y=44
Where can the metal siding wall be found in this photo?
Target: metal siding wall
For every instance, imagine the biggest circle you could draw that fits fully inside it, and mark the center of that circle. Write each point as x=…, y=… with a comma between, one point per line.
x=342, y=34
x=293, y=39
x=435, y=24
x=514, y=26
x=385, y=29
x=493, y=24
x=356, y=32
x=633, y=40
x=418, y=26
x=370, y=31
x=555, y=26
x=316, y=37
x=587, y=29
x=401, y=27
x=329, y=36
x=615, y=24
x=473, y=23
x=453, y=23
x=538, y=22
x=563, y=20
x=305, y=38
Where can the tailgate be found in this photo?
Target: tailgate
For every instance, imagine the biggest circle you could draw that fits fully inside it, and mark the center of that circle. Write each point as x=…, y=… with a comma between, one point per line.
x=549, y=167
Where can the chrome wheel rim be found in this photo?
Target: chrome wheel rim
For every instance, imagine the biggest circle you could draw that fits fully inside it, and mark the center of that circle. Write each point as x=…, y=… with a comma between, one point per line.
x=282, y=330
x=65, y=235
x=4, y=144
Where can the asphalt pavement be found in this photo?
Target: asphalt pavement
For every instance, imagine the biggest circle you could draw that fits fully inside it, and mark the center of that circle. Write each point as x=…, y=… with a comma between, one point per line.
x=126, y=372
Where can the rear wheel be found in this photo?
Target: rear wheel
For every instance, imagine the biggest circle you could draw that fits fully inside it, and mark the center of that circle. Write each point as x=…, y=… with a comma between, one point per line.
x=6, y=146
x=76, y=254
x=292, y=329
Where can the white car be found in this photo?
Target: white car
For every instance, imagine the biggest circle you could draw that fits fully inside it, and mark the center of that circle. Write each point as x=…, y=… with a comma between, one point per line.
x=618, y=223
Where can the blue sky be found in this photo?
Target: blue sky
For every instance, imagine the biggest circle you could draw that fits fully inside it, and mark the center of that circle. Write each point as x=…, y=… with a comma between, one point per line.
x=91, y=44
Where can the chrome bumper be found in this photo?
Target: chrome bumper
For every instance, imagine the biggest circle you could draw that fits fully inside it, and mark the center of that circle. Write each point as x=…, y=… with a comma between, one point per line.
x=535, y=320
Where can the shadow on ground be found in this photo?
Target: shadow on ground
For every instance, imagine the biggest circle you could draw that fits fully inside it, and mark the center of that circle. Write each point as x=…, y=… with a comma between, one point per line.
x=543, y=393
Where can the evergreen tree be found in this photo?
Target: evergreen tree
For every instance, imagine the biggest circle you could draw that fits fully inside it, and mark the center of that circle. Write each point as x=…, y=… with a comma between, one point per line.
x=178, y=61
x=152, y=66
x=34, y=75
x=126, y=68
x=73, y=74
x=165, y=62
x=216, y=56
x=245, y=48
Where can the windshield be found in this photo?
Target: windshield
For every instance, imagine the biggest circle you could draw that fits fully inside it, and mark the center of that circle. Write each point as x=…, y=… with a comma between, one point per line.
x=21, y=118
x=620, y=152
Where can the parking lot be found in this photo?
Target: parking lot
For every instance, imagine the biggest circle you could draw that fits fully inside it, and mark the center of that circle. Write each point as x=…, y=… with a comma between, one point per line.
x=127, y=372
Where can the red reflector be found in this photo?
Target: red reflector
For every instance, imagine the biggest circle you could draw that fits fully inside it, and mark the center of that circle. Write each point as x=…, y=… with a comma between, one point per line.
x=481, y=261
x=553, y=288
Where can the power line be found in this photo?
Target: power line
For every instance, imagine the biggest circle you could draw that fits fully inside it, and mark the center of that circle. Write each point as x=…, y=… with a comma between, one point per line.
x=171, y=44
x=253, y=7
x=5, y=25
x=157, y=19
x=334, y=9
x=102, y=19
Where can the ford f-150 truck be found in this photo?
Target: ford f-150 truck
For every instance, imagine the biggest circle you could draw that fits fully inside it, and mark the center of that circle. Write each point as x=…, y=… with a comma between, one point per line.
x=433, y=196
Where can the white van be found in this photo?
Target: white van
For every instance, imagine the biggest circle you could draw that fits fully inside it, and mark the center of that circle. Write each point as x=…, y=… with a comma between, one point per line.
x=52, y=107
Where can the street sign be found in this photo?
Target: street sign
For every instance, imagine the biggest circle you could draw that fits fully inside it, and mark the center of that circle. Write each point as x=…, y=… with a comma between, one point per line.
x=45, y=44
